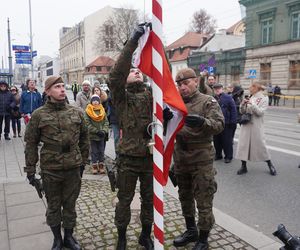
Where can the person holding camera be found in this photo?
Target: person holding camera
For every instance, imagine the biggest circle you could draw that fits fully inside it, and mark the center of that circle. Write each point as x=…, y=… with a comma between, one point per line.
x=251, y=144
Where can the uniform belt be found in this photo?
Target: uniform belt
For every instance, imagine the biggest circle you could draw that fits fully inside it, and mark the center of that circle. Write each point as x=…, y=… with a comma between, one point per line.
x=192, y=145
x=59, y=148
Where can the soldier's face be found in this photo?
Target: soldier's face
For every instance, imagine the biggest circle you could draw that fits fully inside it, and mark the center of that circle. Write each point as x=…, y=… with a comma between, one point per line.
x=135, y=75
x=187, y=87
x=57, y=92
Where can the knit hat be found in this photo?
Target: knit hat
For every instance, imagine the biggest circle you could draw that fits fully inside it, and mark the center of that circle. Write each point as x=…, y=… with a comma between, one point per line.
x=95, y=98
x=52, y=80
x=86, y=82
x=184, y=74
x=4, y=83
x=217, y=85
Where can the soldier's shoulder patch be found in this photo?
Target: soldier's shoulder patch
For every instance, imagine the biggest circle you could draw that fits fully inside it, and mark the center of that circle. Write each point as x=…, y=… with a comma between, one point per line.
x=213, y=100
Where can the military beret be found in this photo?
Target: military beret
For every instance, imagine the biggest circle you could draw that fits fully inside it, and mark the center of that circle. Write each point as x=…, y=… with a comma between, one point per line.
x=184, y=74
x=217, y=85
x=52, y=80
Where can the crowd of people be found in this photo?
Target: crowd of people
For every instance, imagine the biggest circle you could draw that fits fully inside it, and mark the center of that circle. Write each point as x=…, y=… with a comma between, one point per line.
x=68, y=134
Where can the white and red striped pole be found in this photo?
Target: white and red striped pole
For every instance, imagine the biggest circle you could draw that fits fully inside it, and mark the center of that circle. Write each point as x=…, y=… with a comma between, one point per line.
x=157, y=73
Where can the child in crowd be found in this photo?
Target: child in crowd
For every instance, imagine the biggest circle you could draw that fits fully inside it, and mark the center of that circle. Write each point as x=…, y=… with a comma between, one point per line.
x=98, y=127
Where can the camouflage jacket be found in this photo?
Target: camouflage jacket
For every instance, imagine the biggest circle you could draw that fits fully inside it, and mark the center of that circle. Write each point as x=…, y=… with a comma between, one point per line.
x=133, y=104
x=194, y=145
x=62, y=129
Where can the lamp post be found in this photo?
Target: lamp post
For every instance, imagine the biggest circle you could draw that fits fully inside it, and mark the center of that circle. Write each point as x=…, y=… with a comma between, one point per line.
x=9, y=54
x=31, y=40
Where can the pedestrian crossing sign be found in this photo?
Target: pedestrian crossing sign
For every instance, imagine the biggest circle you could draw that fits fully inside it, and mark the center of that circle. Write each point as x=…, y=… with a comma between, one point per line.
x=252, y=73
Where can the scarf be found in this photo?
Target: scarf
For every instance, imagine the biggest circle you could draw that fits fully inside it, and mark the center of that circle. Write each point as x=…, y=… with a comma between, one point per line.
x=90, y=110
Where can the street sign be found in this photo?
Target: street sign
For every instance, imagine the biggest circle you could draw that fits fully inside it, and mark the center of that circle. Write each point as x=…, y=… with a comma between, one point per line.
x=252, y=74
x=22, y=54
x=21, y=61
x=34, y=53
x=211, y=70
x=21, y=47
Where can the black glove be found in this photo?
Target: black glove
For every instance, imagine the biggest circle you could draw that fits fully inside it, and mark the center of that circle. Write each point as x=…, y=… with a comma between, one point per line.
x=167, y=114
x=138, y=32
x=194, y=121
x=31, y=179
x=101, y=133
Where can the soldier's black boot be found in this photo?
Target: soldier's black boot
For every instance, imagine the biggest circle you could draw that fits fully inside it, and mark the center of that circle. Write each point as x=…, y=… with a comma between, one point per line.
x=243, y=169
x=57, y=242
x=69, y=241
x=272, y=168
x=122, y=242
x=190, y=235
x=145, y=238
x=202, y=243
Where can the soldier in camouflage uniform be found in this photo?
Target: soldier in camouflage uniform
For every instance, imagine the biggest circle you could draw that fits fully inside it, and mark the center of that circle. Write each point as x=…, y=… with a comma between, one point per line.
x=193, y=158
x=133, y=103
x=62, y=130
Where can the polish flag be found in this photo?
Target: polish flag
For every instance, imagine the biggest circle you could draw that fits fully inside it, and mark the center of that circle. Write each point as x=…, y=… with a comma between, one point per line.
x=142, y=59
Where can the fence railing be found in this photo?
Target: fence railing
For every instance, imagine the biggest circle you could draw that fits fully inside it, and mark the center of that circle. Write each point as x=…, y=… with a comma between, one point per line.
x=285, y=100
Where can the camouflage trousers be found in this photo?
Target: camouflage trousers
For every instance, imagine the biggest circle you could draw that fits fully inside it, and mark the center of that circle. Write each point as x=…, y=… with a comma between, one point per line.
x=62, y=189
x=197, y=183
x=130, y=169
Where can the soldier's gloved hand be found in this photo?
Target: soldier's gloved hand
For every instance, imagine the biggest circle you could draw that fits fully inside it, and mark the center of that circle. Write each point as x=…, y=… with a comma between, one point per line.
x=31, y=179
x=101, y=133
x=138, y=32
x=194, y=121
x=167, y=114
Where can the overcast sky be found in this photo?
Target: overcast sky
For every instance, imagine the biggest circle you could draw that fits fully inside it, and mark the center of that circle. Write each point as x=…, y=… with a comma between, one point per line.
x=48, y=16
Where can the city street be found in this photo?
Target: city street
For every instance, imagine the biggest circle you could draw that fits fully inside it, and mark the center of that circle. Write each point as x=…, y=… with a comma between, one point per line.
x=258, y=199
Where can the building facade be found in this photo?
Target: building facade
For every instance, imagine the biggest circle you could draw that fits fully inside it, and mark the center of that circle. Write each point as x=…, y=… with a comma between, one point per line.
x=72, y=57
x=47, y=68
x=273, y=43
x=99, y=69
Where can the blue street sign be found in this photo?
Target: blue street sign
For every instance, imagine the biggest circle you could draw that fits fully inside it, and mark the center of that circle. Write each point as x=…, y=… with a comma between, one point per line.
x=252, y=73
x=20, y=61
x=21, y=47
x=210, y=70
x=22, y=54
x=34, y=53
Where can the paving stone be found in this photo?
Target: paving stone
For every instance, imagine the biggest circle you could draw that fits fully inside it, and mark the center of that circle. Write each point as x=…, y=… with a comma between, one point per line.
x=96, y=230
x=3, y=223
x=43, y=240
x=4, y=244
x=2, y=207
x=16, y=187
x=21, y=198
x=26, y=210
x=2, y=195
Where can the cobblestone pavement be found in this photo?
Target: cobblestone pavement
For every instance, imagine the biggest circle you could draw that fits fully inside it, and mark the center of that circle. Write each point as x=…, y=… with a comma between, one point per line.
x=96, y=229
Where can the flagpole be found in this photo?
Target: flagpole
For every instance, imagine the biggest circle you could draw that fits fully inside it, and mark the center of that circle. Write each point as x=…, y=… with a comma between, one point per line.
x=157, y=72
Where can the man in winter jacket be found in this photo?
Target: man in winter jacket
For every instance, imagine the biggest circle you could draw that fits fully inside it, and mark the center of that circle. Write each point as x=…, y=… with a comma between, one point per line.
x=83, y=97
x=224, y=140
x=7, y=103
x=30, y=100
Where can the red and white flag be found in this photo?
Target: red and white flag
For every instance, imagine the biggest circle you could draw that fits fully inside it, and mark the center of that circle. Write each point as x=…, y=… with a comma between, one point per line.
x=171, y=97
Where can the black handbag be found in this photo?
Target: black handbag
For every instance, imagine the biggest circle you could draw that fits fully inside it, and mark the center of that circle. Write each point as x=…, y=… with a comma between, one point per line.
x=245, y=118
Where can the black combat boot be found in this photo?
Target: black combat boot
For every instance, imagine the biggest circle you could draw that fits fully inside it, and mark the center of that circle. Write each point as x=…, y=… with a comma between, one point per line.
x=271, y=167
x=243, y=169
x=122, y=242
x=57, y=242
x=70, y=241
x=145, y=239
x=202, y=243
x=190, y=235
x=6, y=137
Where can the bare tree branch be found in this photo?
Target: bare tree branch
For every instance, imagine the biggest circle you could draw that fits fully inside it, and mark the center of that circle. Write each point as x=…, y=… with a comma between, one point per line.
x=202, y=22
x=122, y=23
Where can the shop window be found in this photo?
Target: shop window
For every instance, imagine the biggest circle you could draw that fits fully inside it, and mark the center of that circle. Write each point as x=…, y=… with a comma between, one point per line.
x=294, y=75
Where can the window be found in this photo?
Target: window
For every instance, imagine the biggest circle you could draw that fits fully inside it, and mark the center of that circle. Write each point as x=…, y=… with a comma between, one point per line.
x=235, y=74
x=265, y=73
x=49, y=72
x=266, y=31
x=295, y=25
x=294, y=70
x=107, y=44
x=98, y=68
